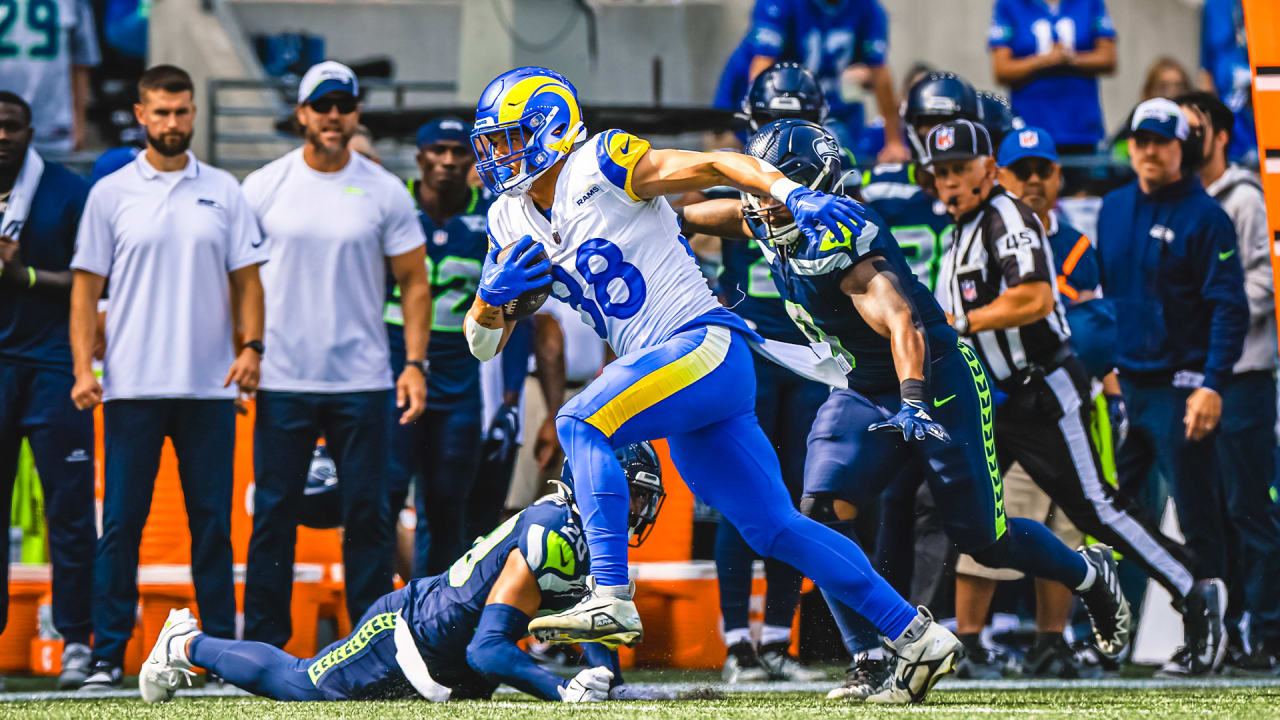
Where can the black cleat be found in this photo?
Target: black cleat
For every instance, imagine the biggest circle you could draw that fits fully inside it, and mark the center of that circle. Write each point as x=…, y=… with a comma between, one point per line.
x=1108, y=610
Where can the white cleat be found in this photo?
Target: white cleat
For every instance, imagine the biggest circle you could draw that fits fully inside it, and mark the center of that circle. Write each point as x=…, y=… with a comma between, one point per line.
x=164, y=670
x=599, y=617
x=922, y=655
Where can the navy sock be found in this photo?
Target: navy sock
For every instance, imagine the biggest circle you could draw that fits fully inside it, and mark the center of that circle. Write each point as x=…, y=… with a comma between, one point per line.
x=1032, y=548
x=782, y=594
x=260, y=668
x=733, y=573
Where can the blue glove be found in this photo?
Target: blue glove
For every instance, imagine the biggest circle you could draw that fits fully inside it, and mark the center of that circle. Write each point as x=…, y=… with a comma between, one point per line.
x=812, y=208
x=914, y=422
x=499, y=445
x=502, y=281
x=1119, y=416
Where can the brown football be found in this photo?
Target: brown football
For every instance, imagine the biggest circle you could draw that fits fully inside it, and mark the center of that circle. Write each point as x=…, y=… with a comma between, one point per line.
x=530, y=300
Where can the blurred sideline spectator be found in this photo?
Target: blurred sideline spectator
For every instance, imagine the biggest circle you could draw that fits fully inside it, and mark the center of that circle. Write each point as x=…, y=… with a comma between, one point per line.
x=829, y=37
x=362, y=142
x=1247, y=442
x=167, y=232
x=335, y=221
x=50, y=49
x=41, y=203
x=1050, y=54
x=440, y=451
x=1167, y=257
x=1166, y=78
x=1224, y=68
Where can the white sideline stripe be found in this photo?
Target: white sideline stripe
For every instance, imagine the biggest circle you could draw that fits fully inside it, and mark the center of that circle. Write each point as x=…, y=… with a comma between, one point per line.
x=822, y=687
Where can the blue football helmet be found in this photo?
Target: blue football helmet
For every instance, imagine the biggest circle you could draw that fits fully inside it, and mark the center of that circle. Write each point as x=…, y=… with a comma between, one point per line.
x=806, y=153
x=785, y=90
x=997, y=116
x=936, y=98
x=644, y=479
x=534, y=113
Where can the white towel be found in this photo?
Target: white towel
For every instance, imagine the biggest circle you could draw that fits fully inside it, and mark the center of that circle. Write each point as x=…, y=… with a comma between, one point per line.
x=815, y=361
x=24, y=191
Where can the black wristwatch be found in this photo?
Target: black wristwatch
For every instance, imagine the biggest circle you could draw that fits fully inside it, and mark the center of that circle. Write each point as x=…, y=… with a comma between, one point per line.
x=422, y=365
x=256, y=346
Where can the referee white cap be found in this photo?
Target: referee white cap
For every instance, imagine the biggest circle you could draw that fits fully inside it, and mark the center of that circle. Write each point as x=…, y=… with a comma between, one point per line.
x=324, y=78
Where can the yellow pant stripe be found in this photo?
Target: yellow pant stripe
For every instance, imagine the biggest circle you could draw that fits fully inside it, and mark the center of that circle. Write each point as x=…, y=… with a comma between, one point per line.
x=664, y=382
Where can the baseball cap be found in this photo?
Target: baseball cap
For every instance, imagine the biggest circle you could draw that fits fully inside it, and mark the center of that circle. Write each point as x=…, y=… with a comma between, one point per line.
x=445, y=128
x=1162, y=117
x=1026, y=143
x=956, y=140
x=324, y=78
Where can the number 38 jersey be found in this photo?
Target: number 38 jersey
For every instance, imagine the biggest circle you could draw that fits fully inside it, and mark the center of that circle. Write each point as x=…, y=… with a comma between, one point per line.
x=443, y=611
x=619, y=260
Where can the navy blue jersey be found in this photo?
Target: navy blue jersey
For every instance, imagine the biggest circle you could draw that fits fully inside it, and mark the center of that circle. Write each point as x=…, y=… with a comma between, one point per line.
x=747, y=287
x=918, y=221
x=443, y=611
x=455, y=254
x=33, y=327
x=824, y=37
x=1062, y=101
x=810, y=283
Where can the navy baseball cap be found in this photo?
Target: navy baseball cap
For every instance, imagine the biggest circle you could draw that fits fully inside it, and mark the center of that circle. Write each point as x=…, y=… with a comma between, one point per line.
x=324, y=78
x=444, y=129
x=1162, y=117
x=1026, y=143
x=956, y=140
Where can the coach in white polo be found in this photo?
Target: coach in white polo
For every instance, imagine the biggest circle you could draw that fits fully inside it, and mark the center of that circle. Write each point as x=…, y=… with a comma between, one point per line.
x=175, y=239
x=335, y=222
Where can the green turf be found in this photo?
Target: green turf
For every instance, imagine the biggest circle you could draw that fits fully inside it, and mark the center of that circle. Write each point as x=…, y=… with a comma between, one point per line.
x=1067, y=703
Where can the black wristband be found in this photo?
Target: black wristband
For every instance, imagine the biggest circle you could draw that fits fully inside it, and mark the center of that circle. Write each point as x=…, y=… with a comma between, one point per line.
x=256, y=346
x=912, y=389
x=420, y=364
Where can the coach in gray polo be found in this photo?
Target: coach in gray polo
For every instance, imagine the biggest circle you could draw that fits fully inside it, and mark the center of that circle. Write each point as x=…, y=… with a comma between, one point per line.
x=335, y=222
x=176, y=240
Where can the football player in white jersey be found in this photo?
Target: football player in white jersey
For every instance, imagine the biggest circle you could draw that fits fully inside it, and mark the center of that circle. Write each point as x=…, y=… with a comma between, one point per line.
x=685, y=373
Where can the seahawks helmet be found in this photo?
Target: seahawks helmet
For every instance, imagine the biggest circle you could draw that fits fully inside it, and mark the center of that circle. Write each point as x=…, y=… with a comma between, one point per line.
x=644, y=478
x=785, y=90
x=535, y=113
x=934, y=99
x=996, y=115
x=806, y=153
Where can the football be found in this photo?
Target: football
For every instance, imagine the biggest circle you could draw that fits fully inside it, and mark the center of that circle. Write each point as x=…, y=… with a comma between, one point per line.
x=530, y=300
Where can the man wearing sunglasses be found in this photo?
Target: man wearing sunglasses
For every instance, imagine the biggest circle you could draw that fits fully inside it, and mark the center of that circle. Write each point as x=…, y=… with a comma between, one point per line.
x=335, y=223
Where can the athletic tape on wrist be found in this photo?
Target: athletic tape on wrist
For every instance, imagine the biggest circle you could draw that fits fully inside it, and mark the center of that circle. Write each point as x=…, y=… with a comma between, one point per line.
x=781, y=188
x=483, y=341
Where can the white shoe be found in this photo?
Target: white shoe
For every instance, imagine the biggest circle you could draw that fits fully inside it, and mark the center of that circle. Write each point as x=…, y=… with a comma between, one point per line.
x=163, y=670
x=599, y=617
x=922, y=655
x=742, y=665
x=783, y=666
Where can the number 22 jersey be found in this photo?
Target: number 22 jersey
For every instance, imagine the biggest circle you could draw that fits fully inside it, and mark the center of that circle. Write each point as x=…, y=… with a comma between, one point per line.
x=618, y=259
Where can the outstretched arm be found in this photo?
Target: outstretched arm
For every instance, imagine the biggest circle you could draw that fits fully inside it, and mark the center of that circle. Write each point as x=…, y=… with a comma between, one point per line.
x=514, y=599
x=721, y=218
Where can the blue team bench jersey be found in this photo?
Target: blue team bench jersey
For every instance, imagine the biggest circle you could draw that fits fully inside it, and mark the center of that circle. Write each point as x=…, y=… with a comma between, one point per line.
x=824, y=37
x=809, y=280
x=918, y=221
x=443, y=611
x=1062, y=101
x=455, y=255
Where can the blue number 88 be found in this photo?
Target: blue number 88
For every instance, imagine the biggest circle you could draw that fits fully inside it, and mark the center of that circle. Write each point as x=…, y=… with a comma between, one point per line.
x=600, y=263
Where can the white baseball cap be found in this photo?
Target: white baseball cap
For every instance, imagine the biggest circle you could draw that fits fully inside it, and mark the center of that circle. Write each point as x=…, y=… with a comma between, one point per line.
x=324, y=78
x=1162, y=117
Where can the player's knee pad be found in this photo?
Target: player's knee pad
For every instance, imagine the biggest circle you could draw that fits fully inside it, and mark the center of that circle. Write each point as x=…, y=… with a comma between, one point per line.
x=998, y=554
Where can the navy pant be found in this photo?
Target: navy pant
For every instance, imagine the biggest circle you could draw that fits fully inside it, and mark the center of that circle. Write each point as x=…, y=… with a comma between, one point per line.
x=441, y=451
x=1157, y=439
x=1246, y=448
x=785, y=405
x=36, y=403
x=203, y=435
x=357, y=431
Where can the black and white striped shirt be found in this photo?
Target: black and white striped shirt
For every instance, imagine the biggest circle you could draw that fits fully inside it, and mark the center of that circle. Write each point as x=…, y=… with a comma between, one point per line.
x=995, y=247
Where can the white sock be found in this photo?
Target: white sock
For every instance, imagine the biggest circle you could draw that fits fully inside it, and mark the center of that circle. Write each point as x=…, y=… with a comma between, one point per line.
x=1089, y=577
x=771, y=634
x=737, y=635
x=178, y=649
x=622, y=592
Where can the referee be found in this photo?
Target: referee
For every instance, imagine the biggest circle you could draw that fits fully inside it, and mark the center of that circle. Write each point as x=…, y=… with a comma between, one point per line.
x=997, y=283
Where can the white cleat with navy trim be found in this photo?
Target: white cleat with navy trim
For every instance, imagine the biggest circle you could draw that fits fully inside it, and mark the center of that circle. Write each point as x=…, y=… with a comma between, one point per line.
x=922, y=655
x=606, y=615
